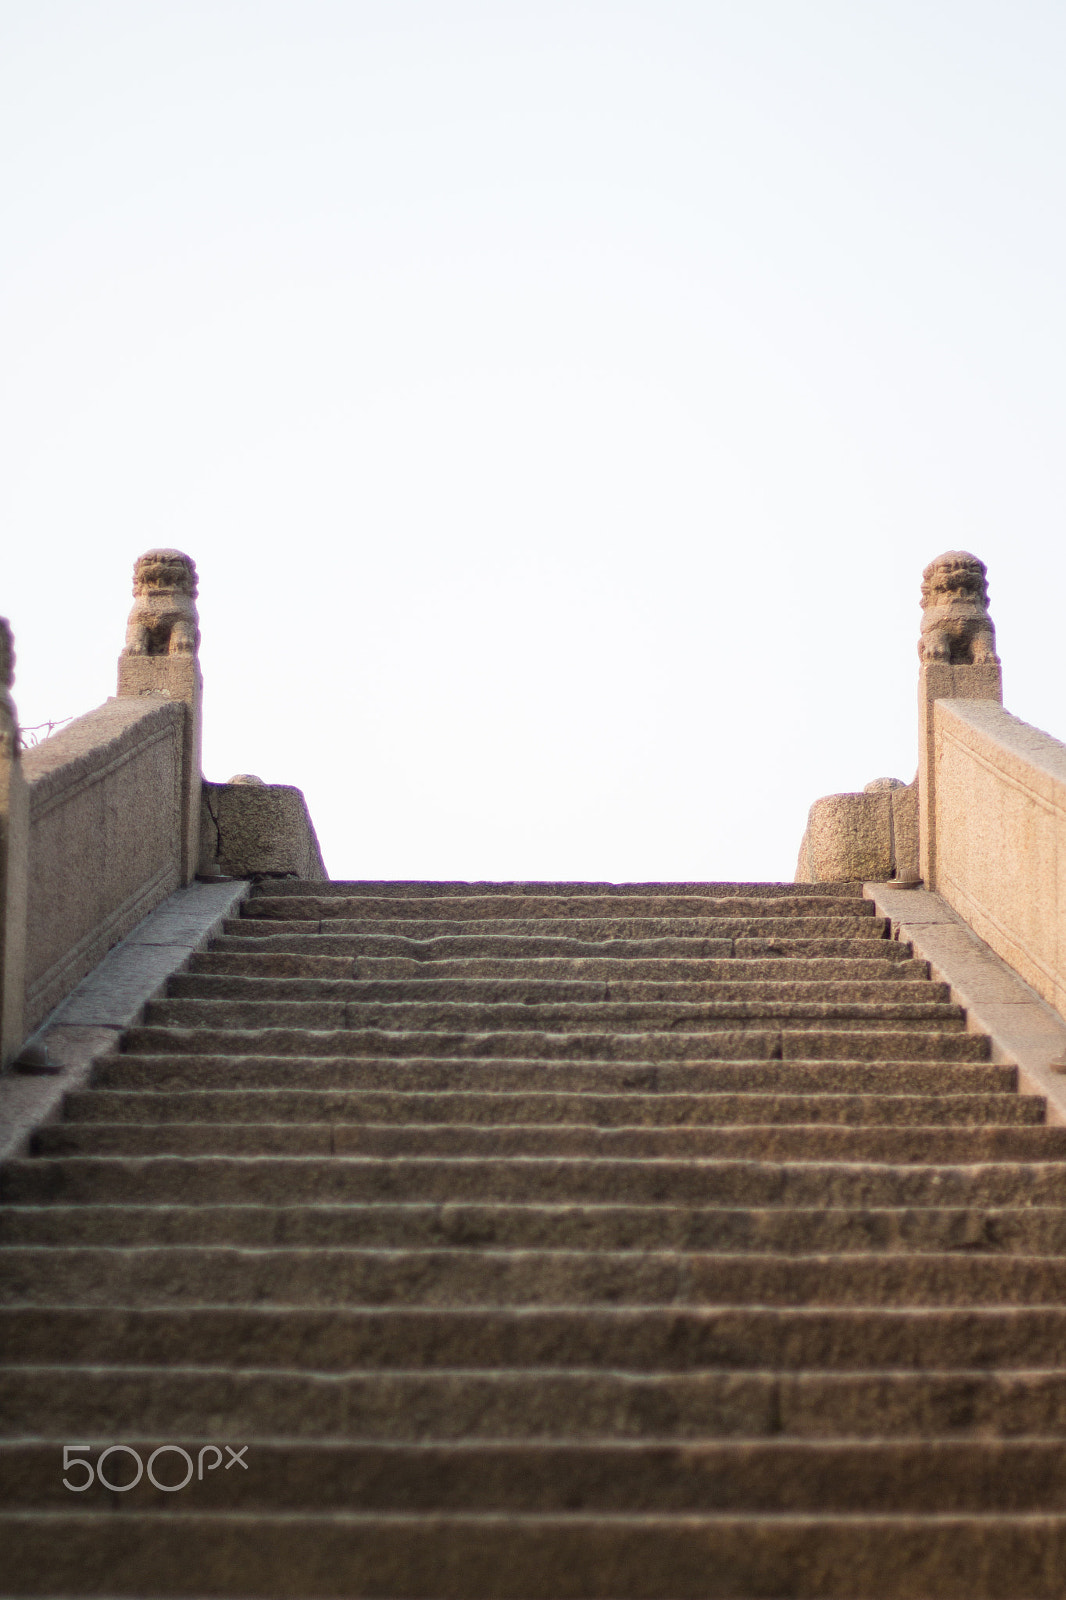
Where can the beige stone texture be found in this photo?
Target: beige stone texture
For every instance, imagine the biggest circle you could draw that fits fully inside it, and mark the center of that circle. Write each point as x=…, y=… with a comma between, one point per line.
x=856, y=837
x=176, y=678
x=14, y=874
x=849, y=836
x=940, y=681
x=1024, y=1029
x=163, y=620
x=14, y=837
x=255, y=829
x=160, y=658
x=1000, y=828
x=889, y=830
x=89, y=1022
x=957, y=649
x=102, y=822
x=104, y=838
x=905, y=864
x=882, y=785
x=956, y=626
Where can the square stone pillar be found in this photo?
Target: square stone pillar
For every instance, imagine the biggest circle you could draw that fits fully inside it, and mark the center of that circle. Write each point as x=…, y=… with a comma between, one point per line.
x=937, y=680
x=14, y=859
x=175, y=677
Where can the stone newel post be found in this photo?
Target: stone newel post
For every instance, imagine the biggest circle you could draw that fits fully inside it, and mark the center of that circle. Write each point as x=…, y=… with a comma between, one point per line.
x=957, y=651
x=160, y=657
x=14, y=852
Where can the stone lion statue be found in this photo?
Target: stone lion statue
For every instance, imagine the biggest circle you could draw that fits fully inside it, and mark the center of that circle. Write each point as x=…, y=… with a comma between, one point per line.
x=956, y=626
x=163, y=621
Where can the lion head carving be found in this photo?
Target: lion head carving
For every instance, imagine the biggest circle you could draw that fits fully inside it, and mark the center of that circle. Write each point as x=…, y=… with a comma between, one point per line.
x=956, y=626
x=163, y=620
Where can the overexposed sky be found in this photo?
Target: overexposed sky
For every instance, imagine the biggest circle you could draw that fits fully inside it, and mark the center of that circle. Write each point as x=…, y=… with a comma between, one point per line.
x=560, y=400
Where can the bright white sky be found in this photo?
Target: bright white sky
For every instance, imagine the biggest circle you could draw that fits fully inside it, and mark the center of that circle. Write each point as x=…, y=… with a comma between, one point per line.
x=560, y=399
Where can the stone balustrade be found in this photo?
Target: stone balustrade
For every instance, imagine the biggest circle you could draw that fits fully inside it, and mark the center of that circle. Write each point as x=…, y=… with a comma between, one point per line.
x=999, y=829
x=984, y=824
x=104, y=838
x=103, y=821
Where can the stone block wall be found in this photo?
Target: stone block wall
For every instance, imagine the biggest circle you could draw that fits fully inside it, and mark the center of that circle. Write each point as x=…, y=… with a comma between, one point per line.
x=252, y=829
x=1000, y=829
x=104, y=838
x=868, y=838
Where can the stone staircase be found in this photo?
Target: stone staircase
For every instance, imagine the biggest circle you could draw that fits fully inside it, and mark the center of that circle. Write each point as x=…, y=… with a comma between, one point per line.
x=542, y=1240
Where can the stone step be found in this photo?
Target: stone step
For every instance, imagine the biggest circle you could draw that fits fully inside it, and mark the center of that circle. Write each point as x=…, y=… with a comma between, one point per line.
x=231, y=1275
x=406, y=888
x=502, y=908
x=723, y=1044
x=424, y=985
x=649, y=1016
x=1023, y=1230
x=545, y=1108
x=904, y=1041
x=801, y=932
x=990, y=1340
x=899, y=1041
x=929, y=1145
x=879, y=966
x=512, y=1556
x=195, y=1072
x=277, y=1180
x=81, y=1403
x=783, y=1474
x=262, y=938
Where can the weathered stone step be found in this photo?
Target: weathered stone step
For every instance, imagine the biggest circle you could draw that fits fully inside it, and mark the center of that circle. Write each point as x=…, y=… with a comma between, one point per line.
x=646, y=1338
x=798, y=930
x=931, y=1145
x=79, y=1402
x=511, y=1556
x=404, y=888
x=1025, y=1230
x=425, y=986
x=259, y=938
x=536, y=1475
x=735, y=1044
x=902, y=1042
x=502, y=908
x=232, y=1275
x=878, y=967
x=274, y=1180
x=545, y=1108
x=195, y=1072
x=648, y=1016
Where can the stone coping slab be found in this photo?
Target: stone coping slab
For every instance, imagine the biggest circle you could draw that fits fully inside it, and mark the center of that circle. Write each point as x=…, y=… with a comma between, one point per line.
x=1025, y=1030
x=112, y=997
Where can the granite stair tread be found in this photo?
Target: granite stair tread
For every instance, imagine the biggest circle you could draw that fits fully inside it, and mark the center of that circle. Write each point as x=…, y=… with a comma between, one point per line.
x=542, y=1108
x=792, y=1140
x=1031, y=1230
x=636, y=1475
x=515, y=1556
